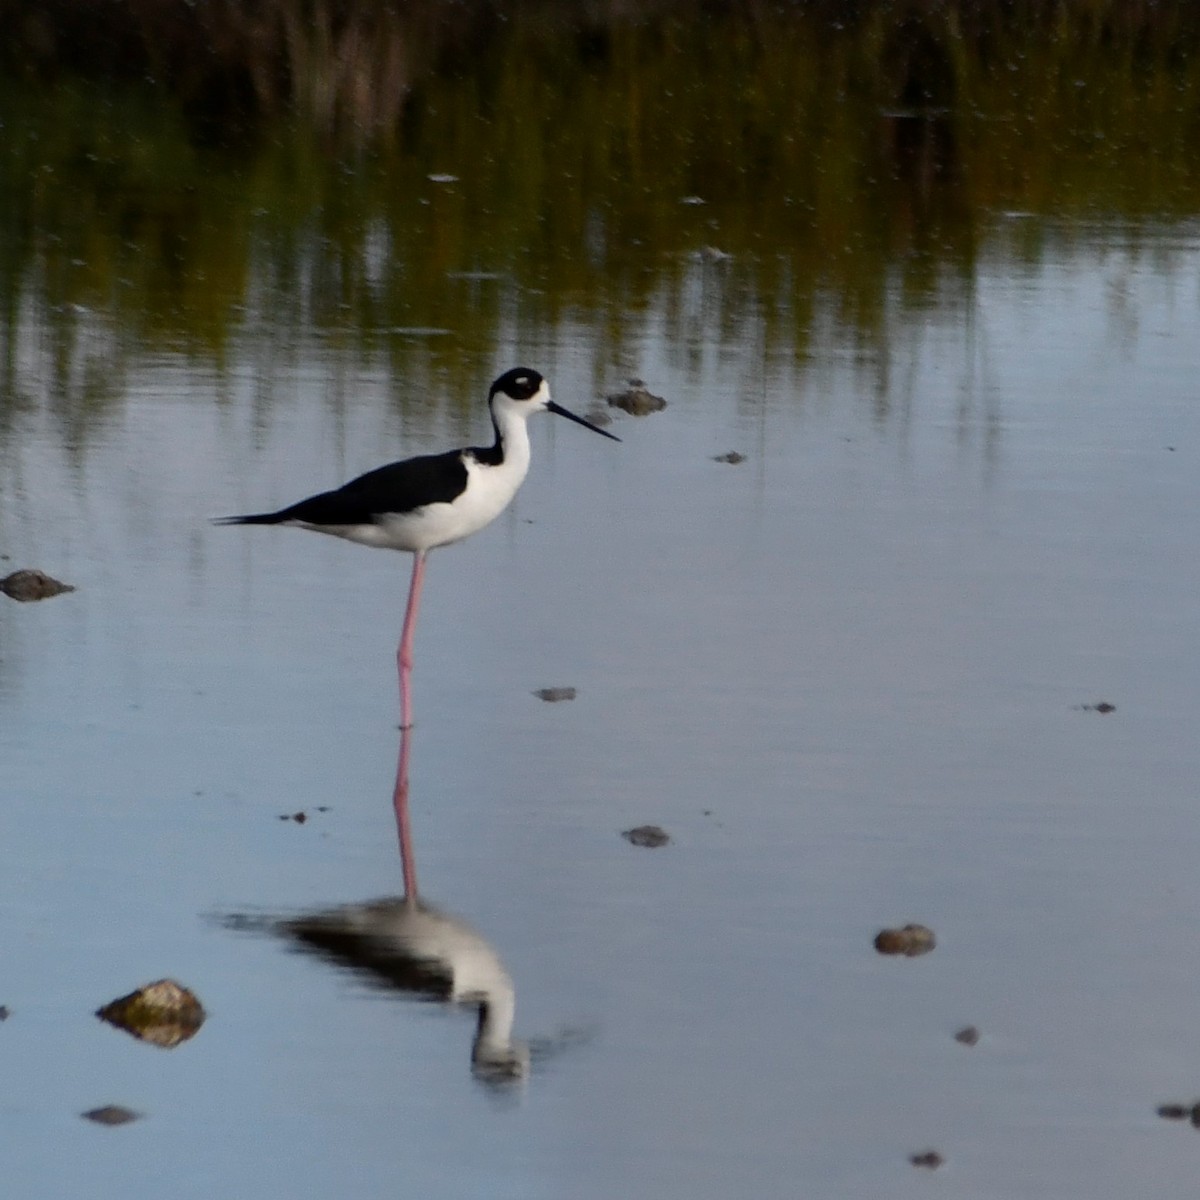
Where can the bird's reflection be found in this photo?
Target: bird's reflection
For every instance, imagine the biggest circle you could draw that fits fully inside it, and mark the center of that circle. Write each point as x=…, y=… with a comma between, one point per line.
x=407, y=944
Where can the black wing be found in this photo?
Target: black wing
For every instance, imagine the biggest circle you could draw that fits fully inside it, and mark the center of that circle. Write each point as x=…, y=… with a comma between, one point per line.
x=397, y=488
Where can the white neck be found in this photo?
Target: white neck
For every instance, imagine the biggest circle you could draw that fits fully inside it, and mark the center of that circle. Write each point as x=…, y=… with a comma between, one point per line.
x=513, y=430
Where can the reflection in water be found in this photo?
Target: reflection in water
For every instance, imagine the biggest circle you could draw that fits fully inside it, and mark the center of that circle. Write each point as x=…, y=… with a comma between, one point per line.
x=404, y=943
x=407, y=944
x=408, y=858
x=849, y=168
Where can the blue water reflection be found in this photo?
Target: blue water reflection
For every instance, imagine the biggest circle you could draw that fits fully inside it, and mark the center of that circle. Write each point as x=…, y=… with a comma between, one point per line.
x=845, y=674
x=407, y=945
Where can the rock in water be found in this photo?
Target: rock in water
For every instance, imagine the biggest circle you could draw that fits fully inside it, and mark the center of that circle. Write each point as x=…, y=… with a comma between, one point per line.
x=164, y=1012
x=32, y=585
x=110, y=1114
x=636, y=400
x=910, y=941
x=650, y=836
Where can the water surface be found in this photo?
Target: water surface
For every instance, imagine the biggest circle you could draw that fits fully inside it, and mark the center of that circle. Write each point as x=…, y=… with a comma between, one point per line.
x=851, y=676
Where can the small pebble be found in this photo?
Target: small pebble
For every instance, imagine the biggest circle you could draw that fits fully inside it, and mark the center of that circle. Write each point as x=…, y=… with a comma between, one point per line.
x=928, y=1158
x=32, y=585
x=650, y=836
x=910, y=941
x=553, y=695
x=110, y=1114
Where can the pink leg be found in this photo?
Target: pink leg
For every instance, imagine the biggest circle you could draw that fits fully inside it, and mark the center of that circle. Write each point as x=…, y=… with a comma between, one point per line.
x=404, y=659
x=408, y=863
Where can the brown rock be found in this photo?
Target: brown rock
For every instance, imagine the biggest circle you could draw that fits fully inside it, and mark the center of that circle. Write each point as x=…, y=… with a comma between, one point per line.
x=164, y=1013
x=32, y=585
x=911, y=941
x=636, y=400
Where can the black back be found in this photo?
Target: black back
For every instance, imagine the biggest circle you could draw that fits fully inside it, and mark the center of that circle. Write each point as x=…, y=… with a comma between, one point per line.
x=397, y=488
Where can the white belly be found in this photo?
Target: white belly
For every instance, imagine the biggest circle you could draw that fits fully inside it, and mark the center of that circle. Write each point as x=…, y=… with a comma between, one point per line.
x=488, y=493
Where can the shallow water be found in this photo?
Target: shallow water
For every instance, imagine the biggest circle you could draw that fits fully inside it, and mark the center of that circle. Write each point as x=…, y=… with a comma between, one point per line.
x=847, y=675
x=855, y=676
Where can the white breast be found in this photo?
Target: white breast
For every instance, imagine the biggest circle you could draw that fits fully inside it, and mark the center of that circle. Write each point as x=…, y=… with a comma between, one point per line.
x=489, y=492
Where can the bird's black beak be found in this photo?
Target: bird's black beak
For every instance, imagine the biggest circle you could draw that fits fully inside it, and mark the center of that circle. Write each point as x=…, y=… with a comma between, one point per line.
x=562, y=412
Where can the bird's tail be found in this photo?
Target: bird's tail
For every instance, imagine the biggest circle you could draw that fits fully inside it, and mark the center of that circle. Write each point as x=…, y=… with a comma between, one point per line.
x=274, y=518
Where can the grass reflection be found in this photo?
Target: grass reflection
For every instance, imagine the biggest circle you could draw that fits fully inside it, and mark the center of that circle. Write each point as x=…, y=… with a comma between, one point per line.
x=800, y=175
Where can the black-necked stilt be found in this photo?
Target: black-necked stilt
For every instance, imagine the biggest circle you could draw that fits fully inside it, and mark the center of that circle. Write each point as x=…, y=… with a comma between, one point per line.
x=421, y=503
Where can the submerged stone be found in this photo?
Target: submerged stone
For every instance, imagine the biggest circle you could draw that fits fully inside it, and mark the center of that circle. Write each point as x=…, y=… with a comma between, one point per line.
x=598, y=415
x=650, y=836
x=930, y=1159
x=111, y=1114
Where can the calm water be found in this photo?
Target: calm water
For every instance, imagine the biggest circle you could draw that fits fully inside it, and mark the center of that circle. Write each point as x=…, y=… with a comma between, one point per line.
x=850, y=676
x=846, y=675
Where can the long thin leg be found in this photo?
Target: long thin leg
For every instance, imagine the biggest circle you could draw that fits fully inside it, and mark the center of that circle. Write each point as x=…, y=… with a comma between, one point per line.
x=404, y=658
x=408, y=863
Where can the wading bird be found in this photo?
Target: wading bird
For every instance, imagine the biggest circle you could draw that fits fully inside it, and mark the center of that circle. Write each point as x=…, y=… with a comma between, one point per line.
x=433, y=500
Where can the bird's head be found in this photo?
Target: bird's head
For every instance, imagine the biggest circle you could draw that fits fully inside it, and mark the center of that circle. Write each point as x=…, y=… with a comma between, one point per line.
x=524, y=391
